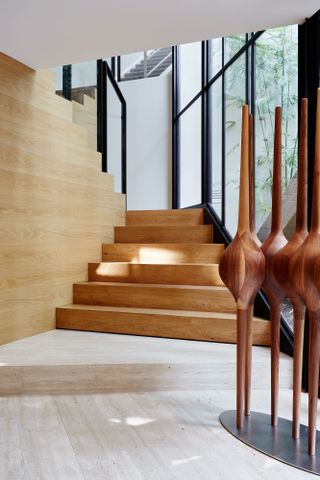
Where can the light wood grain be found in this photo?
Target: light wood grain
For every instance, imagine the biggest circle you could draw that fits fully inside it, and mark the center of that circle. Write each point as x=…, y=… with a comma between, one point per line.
x=164, y=234
x=177, y=297
x=191, y=216
x=213, y=327
x=56, y=207
x=173, y=253
x=33, y=87
x=176, y=274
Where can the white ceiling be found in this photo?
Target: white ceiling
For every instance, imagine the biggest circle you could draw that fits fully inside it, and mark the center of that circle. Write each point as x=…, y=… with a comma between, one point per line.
x=43, y=33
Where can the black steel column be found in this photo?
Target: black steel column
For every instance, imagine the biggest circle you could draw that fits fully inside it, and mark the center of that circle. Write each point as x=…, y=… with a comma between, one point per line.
x=175, y=130
x=104, y=119
x=308, y=83
x=205, y=184
x=67, y=81
x=223, y=142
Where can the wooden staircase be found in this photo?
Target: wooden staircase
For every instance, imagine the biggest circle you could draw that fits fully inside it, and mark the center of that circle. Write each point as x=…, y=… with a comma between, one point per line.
x=160, y=278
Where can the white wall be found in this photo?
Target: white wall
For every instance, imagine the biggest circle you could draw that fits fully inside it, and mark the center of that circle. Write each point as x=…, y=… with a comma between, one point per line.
x=148, y=142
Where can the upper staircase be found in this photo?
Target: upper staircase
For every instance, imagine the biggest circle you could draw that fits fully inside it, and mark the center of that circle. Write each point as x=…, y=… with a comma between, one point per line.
x=159, y=278
x=154, y=65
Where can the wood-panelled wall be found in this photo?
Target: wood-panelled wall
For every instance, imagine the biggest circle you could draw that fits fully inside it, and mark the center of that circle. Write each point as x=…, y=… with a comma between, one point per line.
x=56, y=207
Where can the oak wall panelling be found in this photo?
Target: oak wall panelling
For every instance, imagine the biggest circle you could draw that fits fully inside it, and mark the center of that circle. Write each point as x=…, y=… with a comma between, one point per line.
x=56, y=206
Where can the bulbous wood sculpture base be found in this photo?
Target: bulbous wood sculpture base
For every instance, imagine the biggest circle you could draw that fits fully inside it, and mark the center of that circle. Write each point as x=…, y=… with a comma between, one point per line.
x=276, y=442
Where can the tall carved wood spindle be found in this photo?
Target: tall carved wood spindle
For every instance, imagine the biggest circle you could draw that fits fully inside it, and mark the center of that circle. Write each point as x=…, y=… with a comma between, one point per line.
x=302, y=272
x=275, y=241
x=257, y=241
x=242, y=267
x=281, y=266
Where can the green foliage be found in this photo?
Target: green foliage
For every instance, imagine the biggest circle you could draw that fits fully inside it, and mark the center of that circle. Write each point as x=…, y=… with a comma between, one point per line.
x=276, y=84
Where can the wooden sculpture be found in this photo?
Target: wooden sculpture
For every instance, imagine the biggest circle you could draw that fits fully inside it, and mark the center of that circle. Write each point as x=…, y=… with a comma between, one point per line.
x=275, y=241
x=306, y=283
x=242, y=267
x=258, y=243
x=281, y=266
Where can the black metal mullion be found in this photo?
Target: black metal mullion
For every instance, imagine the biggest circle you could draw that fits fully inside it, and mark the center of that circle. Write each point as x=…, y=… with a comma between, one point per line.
x=124, y=147
x=99, y=105
x=118, y=68
x=175, y=130
x=221, y=72
x=209, y=128
x=104, y=117
x=204, y=109
x=223, y=142
x=67, y=82
x=308, y=83
x=253, y=108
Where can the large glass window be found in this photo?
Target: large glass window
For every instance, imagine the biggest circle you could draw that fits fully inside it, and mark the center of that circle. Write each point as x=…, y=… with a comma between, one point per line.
x=190, y=155
x=190, y=72
x=235, y=97
x=276, y=84
x=264, y=75
x=215, y=102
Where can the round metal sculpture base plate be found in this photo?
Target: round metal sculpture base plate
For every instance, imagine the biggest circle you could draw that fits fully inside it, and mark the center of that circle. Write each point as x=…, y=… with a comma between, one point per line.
x=276, y=442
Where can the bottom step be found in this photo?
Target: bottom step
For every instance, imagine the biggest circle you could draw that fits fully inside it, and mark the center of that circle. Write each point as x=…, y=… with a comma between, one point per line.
x=188, y=325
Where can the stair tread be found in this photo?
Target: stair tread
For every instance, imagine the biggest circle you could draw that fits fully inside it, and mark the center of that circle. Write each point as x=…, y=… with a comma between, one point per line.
x=168, y=245
x=157, y=311
x=160, y=265
x=174, y=211
x=156, y=285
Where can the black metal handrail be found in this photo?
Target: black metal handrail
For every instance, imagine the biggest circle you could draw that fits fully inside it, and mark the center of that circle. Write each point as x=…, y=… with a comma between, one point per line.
x=104, y=73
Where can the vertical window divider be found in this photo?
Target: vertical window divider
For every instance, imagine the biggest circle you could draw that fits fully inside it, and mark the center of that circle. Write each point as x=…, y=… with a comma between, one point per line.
x=175, y=129
x=204, y=122
x=209, y=126
x=223, y=142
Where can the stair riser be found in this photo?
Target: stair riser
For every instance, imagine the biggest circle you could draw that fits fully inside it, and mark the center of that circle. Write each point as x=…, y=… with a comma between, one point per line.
x=199, y=299
x=175, y=217
x=161, y=253
x=181, y=327
x=157, y=274
x=164, y=234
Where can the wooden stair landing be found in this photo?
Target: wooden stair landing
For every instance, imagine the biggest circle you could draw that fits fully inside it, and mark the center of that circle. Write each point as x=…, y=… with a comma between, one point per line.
x=160, y=278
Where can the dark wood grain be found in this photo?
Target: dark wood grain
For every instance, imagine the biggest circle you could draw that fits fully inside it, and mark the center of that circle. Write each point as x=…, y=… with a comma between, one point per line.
x=281, y=263
x=242, y=269
x=275, y=242
x=306, y=284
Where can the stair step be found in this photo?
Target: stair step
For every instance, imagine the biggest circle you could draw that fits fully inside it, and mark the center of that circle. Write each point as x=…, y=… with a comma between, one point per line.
x=192, y=216
x=184, y=274
x=164, y=234
x=139, y=295
x=159, y=253
x=216, y=327
x=90, y=102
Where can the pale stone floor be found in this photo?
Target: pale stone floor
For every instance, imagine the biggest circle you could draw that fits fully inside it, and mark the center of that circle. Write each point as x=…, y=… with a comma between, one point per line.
x=150, y=413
